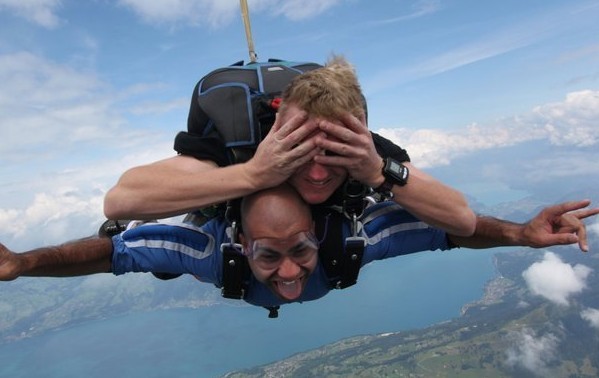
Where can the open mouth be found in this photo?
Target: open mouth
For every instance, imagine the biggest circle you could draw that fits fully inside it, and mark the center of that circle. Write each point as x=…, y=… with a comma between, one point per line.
x=289, y=290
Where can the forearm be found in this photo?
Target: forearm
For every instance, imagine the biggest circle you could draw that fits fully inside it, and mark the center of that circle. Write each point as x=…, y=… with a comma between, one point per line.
x=435, y=203
x=177, y=187
x=77, y=258
x=492, y=232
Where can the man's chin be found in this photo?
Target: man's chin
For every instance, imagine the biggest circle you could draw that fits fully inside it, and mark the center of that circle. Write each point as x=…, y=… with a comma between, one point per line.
x=315, y=198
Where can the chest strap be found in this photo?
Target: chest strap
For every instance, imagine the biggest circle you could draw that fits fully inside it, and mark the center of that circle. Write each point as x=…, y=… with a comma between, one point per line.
x=341, y=257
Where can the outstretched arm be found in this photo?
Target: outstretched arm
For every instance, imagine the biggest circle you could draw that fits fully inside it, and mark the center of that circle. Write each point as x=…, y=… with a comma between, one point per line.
x=183, y=183
x=560, y=224
x=77, y=258
x=427, y=198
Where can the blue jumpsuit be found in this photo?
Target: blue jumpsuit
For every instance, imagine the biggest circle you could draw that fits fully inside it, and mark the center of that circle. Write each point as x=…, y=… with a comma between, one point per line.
x=184, y=248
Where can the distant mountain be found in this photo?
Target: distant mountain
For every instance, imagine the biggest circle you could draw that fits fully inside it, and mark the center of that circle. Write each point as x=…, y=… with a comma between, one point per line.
x=31, y=306
x=508, y=333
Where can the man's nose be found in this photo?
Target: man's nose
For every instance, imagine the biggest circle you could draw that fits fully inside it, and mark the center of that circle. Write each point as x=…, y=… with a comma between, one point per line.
x=288, y=269
x=317, y=172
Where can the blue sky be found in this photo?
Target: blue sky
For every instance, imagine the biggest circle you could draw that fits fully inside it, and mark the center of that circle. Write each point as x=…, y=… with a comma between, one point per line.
x=91, y=88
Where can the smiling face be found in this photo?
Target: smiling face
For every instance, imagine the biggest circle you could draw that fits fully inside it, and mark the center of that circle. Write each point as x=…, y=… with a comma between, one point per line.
x=314, y=182
x=282, y=253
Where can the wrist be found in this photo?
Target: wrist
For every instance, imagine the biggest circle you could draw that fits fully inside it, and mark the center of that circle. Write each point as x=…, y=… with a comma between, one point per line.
x=252, y=175
x=514, y=234
x=393, y=173
x=379, y=178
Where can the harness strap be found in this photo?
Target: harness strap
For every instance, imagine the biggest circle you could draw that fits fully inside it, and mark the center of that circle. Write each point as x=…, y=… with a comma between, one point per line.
x=341, y=258
x=235, y=269
x=352, y=262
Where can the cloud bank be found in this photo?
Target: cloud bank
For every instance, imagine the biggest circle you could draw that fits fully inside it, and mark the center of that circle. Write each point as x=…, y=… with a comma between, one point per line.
x=572, y=122
x=555, y=280
x=52, y=218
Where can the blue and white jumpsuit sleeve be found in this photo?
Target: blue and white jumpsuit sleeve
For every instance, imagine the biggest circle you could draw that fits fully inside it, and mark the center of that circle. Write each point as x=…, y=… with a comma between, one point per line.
x=391, y=231
x=168, y=248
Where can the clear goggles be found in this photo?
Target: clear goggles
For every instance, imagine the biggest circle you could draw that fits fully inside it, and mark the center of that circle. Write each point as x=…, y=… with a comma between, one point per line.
x=268, y=253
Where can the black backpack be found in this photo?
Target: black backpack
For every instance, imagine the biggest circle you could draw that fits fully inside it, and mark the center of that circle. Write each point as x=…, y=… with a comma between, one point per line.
x=237, y=104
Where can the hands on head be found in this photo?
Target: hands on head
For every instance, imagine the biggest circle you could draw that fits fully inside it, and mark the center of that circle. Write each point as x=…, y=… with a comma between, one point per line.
x=349, y=145
x=290, y=144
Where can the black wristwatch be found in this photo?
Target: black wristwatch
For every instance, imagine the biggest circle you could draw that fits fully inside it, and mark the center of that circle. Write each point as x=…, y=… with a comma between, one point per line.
x=395, y=173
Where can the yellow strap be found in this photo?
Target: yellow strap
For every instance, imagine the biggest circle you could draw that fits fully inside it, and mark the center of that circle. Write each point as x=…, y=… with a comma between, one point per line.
x=245, y=14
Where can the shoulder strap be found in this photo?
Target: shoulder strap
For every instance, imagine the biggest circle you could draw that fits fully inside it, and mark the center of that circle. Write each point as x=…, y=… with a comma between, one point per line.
x=341, y=256
x=235, y=268
x=235, y=272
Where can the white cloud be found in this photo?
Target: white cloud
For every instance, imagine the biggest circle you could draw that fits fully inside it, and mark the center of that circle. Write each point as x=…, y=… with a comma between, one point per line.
x=193, y=12
x=555, y=280
x=571, y=122
x=480, y=47
x=68, y=204
x=41, y=12
x=51, y=218
x=216, y=13
x=419, y=9
x=302, y=9
x=532, y=353
x=592, y=316
x=57, y=133
x=44, y=105
x=48, y=109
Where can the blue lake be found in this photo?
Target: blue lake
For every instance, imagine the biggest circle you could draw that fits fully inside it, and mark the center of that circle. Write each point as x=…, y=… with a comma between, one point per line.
x=399, y=294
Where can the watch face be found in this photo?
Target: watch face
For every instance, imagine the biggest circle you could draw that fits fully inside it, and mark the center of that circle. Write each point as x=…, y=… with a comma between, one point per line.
x=397, y=171
x=395, y=167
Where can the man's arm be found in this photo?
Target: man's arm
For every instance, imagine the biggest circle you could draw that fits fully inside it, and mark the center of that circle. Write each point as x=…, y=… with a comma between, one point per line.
x=560, y=224
x=173, y=186
x=77, y=258
x=427, y=198
x=183, y=183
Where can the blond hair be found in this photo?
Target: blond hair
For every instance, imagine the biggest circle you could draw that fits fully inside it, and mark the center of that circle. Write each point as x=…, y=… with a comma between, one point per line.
x=327, y=92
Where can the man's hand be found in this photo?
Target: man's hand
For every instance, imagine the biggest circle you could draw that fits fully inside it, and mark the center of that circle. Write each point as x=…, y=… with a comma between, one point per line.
x=349, y=145
x=559, y=225
x=289, y=144
x=8, y=264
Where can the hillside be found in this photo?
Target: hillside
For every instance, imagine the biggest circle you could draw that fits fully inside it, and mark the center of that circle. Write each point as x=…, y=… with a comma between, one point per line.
x=31, y=306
